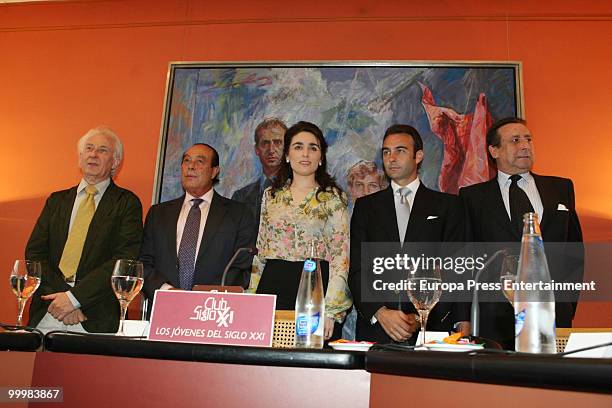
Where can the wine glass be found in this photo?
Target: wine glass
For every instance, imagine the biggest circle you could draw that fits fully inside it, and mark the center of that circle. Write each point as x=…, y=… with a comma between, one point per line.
x=507, y=276
x=126, y=282
x=424, y=291
x=25, y=279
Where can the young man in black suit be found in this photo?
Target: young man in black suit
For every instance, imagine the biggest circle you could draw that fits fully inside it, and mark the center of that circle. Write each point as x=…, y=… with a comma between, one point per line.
x=421, y=215
x=190, y=240
x=493, y=215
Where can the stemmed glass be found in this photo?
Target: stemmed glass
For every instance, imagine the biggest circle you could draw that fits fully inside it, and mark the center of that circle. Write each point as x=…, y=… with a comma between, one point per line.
x=126, y=282
x=507, y=276
x=25, y=279
x=424, y=291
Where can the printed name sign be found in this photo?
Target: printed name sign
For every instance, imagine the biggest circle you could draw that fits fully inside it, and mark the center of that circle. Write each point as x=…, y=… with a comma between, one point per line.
x=233, y=319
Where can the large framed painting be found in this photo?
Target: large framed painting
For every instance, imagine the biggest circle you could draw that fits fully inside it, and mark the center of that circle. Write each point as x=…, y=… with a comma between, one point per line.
x=451, y=104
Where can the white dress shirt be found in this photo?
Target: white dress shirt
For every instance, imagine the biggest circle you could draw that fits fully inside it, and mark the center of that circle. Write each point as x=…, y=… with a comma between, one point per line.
x=204, y=208
x=527, y=183
x=180, y=225
x=413, y=186
x=81, y=194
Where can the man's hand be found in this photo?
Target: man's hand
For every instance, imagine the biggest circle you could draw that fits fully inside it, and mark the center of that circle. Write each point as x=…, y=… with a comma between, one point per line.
x=464, y=328
x=74, y=317
x=397, y=324
x=60, y=305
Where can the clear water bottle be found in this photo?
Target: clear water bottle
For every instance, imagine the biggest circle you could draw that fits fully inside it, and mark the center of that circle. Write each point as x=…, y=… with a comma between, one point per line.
x=310, y=305
x=534, y=308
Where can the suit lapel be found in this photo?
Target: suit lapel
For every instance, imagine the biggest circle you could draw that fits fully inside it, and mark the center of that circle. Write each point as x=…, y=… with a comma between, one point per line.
x=169, y=221
x=385, y=213
x=103, y=211
x=418, y=212
x=215, y=217
x=65, y=213
x=495, y=204
x=548, y=200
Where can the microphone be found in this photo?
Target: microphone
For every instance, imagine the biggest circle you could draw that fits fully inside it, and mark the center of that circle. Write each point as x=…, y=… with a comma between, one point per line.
x=222, y=287
x=475, y=308
x=252, y=251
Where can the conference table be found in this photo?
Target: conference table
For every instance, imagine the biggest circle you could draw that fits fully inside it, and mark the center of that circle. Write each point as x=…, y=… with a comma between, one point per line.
x=20, y=341
x=101, y=370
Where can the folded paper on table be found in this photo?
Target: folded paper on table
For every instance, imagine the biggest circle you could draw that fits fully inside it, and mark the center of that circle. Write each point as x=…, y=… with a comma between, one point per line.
x=581, y=340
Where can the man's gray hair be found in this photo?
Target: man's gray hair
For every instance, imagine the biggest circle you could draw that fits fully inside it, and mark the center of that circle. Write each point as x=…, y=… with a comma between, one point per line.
x=105, y=131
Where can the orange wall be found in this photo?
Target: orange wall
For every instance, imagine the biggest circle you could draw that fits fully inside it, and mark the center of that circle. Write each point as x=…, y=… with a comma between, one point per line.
x=68, y=66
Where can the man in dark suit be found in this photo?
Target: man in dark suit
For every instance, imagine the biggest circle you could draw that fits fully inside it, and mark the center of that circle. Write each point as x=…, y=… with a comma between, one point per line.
x=269, y=138
x=79, y=235
x=190, y=240
x=494, y=214
x=431, y=216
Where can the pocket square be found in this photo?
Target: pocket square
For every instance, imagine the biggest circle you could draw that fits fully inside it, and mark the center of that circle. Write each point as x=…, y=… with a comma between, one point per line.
x=562, y=207
x=432, y=217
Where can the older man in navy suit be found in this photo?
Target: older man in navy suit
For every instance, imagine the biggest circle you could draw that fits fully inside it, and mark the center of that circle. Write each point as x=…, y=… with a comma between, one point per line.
x=190, y=240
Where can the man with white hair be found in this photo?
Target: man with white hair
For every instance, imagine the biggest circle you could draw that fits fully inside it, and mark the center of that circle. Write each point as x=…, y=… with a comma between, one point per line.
x=364, y=178
x=79, y=235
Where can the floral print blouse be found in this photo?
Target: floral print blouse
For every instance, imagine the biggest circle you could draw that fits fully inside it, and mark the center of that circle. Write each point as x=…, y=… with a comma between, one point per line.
x=286, y=230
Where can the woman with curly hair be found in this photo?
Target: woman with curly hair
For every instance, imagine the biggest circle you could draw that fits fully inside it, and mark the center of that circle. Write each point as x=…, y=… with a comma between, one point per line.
x=304, y=204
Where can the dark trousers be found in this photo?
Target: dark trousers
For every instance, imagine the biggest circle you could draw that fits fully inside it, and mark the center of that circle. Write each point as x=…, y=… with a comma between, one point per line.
x=282, y=278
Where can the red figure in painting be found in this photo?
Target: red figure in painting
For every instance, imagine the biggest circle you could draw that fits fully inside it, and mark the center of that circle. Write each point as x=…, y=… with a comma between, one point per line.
x=465, y=159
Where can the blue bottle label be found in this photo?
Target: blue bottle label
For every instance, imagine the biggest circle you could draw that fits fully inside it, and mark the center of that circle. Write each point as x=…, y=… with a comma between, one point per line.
x=310, y=265
x=519, y=322
x=301, y=324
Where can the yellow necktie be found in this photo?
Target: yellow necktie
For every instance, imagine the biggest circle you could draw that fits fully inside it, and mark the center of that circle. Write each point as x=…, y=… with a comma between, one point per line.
x=76, y=238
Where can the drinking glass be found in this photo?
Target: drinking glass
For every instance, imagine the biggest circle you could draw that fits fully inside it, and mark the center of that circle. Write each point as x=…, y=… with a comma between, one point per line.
x=126, y=282
x=424, y=291
x=507, y=276
x=25, y=279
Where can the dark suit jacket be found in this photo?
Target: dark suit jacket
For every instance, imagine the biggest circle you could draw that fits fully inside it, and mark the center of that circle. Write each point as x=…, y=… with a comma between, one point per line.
x=114, y=233
x=229, y=226
x=488, y=221
x=251, y=196
x=374, y=220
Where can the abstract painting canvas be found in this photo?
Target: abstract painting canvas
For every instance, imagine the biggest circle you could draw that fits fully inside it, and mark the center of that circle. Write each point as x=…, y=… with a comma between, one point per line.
x=450, y=104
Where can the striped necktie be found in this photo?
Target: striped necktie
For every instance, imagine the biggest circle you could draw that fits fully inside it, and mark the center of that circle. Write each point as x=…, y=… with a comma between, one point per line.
x=188, y=246
x=78, y=233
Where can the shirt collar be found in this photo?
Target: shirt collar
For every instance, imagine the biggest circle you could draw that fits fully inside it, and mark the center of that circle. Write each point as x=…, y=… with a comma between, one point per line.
x=262, y=182
x=413, y=186
x=263, y=178
x=101, y=186
x=206, y=197
x=504, y=178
